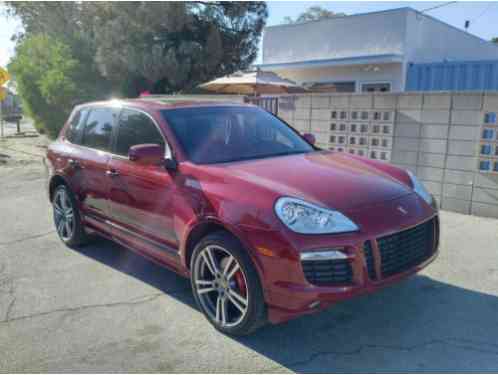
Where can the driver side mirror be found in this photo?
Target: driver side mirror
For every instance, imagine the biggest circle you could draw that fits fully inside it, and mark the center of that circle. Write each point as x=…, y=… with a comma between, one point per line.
x=170, y=164
x=310, y=138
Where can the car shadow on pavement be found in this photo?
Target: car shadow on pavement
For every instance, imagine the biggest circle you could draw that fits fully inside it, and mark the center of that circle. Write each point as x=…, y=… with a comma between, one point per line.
x=164, y=280
x=418, y=325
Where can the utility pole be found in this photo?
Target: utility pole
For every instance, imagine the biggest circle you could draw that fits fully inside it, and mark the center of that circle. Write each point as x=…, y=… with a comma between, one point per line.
x=4, y=77
x=1, y=117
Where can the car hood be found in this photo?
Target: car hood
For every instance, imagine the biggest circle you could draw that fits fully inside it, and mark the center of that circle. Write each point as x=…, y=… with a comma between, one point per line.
x=330, y=179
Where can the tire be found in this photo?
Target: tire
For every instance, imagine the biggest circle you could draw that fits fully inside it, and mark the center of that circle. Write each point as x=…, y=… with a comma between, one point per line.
x=71, y=230
x=235, y=269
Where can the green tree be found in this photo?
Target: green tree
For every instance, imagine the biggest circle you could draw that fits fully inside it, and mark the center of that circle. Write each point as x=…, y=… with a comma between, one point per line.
x=63, y=21
x=162, y=46
x=174, y=46
x=494, y=40
x=313, y=13
x=51, y=81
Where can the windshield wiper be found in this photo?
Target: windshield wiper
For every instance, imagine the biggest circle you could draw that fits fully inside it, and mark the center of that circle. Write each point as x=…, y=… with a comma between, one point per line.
x=255, y=157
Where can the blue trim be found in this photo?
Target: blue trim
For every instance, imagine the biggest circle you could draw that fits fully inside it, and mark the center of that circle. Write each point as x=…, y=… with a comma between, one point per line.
x=356, y=60
x=479, y=75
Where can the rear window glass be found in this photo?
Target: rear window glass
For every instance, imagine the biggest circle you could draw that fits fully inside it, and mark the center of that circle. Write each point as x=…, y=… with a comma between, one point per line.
x=75, y=125
x=98, y=129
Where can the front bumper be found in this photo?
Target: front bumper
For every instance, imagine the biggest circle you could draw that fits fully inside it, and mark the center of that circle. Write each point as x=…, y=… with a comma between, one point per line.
x=291, y=299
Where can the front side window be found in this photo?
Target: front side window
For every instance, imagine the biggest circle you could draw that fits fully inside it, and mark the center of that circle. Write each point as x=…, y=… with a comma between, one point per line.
x=136, y=128
x=98, y=128
x=223, y=134
x=76, y=125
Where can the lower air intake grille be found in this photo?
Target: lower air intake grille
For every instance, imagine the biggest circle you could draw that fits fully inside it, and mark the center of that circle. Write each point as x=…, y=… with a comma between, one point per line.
x=328, y=272
x=404, y=250
x=367, y=250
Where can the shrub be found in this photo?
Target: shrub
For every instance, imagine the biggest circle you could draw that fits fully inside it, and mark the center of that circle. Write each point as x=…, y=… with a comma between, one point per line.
x=51, y=81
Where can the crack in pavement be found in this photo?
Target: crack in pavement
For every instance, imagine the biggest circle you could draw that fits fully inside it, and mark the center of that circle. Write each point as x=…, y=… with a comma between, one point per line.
x=27, y=238
x=8, y=287
x=448, y=341
x=11, y=306
x=137, y=301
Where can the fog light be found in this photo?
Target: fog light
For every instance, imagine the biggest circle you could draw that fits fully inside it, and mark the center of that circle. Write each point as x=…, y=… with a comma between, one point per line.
x=314, y=305
x=323, y=255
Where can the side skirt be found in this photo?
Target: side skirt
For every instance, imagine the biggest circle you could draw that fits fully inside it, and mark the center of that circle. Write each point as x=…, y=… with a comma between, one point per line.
x=167, y=256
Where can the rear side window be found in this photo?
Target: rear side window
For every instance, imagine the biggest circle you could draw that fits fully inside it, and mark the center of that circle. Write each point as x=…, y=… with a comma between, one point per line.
x=73, y=132
x=136, y=128
x=98, y=129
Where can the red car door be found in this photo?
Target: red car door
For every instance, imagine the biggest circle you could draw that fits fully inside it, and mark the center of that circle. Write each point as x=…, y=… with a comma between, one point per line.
x=70, y=150
x=140, y=196
x=92, y=162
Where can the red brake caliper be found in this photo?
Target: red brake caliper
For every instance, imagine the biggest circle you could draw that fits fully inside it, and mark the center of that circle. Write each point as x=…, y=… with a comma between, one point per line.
x=239, y=279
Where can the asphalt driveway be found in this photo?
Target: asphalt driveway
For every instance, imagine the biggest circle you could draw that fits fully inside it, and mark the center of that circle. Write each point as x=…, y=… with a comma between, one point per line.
x=102, y=308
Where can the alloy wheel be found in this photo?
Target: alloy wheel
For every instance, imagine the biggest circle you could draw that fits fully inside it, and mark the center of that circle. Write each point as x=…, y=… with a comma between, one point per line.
x=221, y=286
x=63, y=214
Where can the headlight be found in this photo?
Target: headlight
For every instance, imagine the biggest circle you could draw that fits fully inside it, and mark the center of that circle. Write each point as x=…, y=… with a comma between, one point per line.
x=306, y=218
x=420, y=189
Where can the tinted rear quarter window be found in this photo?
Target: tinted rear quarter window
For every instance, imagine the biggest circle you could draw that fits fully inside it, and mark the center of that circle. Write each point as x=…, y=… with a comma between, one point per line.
x=136, y=128
x=73, y=132
x=98, y=128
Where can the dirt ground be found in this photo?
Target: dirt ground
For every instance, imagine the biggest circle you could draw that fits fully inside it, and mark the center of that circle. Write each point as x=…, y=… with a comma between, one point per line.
x=25, y=151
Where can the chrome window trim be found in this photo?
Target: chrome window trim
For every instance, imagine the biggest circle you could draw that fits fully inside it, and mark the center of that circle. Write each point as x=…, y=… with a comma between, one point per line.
x=167, y=150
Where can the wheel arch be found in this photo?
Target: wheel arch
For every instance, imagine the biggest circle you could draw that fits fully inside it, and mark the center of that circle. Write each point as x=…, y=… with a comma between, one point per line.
x=55, y=181
x=212, y=225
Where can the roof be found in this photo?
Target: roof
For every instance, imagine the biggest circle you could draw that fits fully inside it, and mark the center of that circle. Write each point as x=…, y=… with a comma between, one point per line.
x=344, y=16
x=336, y=39
x=382, y=12
x=159, y=102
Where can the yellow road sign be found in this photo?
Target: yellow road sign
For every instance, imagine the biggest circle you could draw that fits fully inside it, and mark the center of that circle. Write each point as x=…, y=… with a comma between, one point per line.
x=3, y=93
x=4, y=76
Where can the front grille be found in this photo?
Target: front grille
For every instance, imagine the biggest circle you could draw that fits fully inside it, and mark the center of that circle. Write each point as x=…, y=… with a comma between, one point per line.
x=328, y=272
x=404, y=250
x=367, y=251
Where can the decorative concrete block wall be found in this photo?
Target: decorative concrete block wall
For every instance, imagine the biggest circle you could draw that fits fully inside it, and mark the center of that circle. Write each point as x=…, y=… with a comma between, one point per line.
x=448, y=139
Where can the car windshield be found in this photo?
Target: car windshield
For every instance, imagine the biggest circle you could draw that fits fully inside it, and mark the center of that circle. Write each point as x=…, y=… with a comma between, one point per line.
x=224, y=134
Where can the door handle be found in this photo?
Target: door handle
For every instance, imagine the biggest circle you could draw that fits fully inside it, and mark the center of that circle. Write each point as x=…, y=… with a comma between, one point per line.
x=75, y=164
x=112, y=173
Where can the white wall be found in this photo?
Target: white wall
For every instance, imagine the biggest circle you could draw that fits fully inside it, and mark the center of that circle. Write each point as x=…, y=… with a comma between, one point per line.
x=388, y=73
x=342, y=37
x=430, y=40
x=405, y=32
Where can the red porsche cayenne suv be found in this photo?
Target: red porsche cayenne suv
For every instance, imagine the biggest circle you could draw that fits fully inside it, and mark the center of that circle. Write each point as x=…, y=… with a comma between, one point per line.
x=267, y=226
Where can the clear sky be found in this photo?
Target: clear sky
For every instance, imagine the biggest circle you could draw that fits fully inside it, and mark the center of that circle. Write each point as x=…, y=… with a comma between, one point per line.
x=483, y=16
